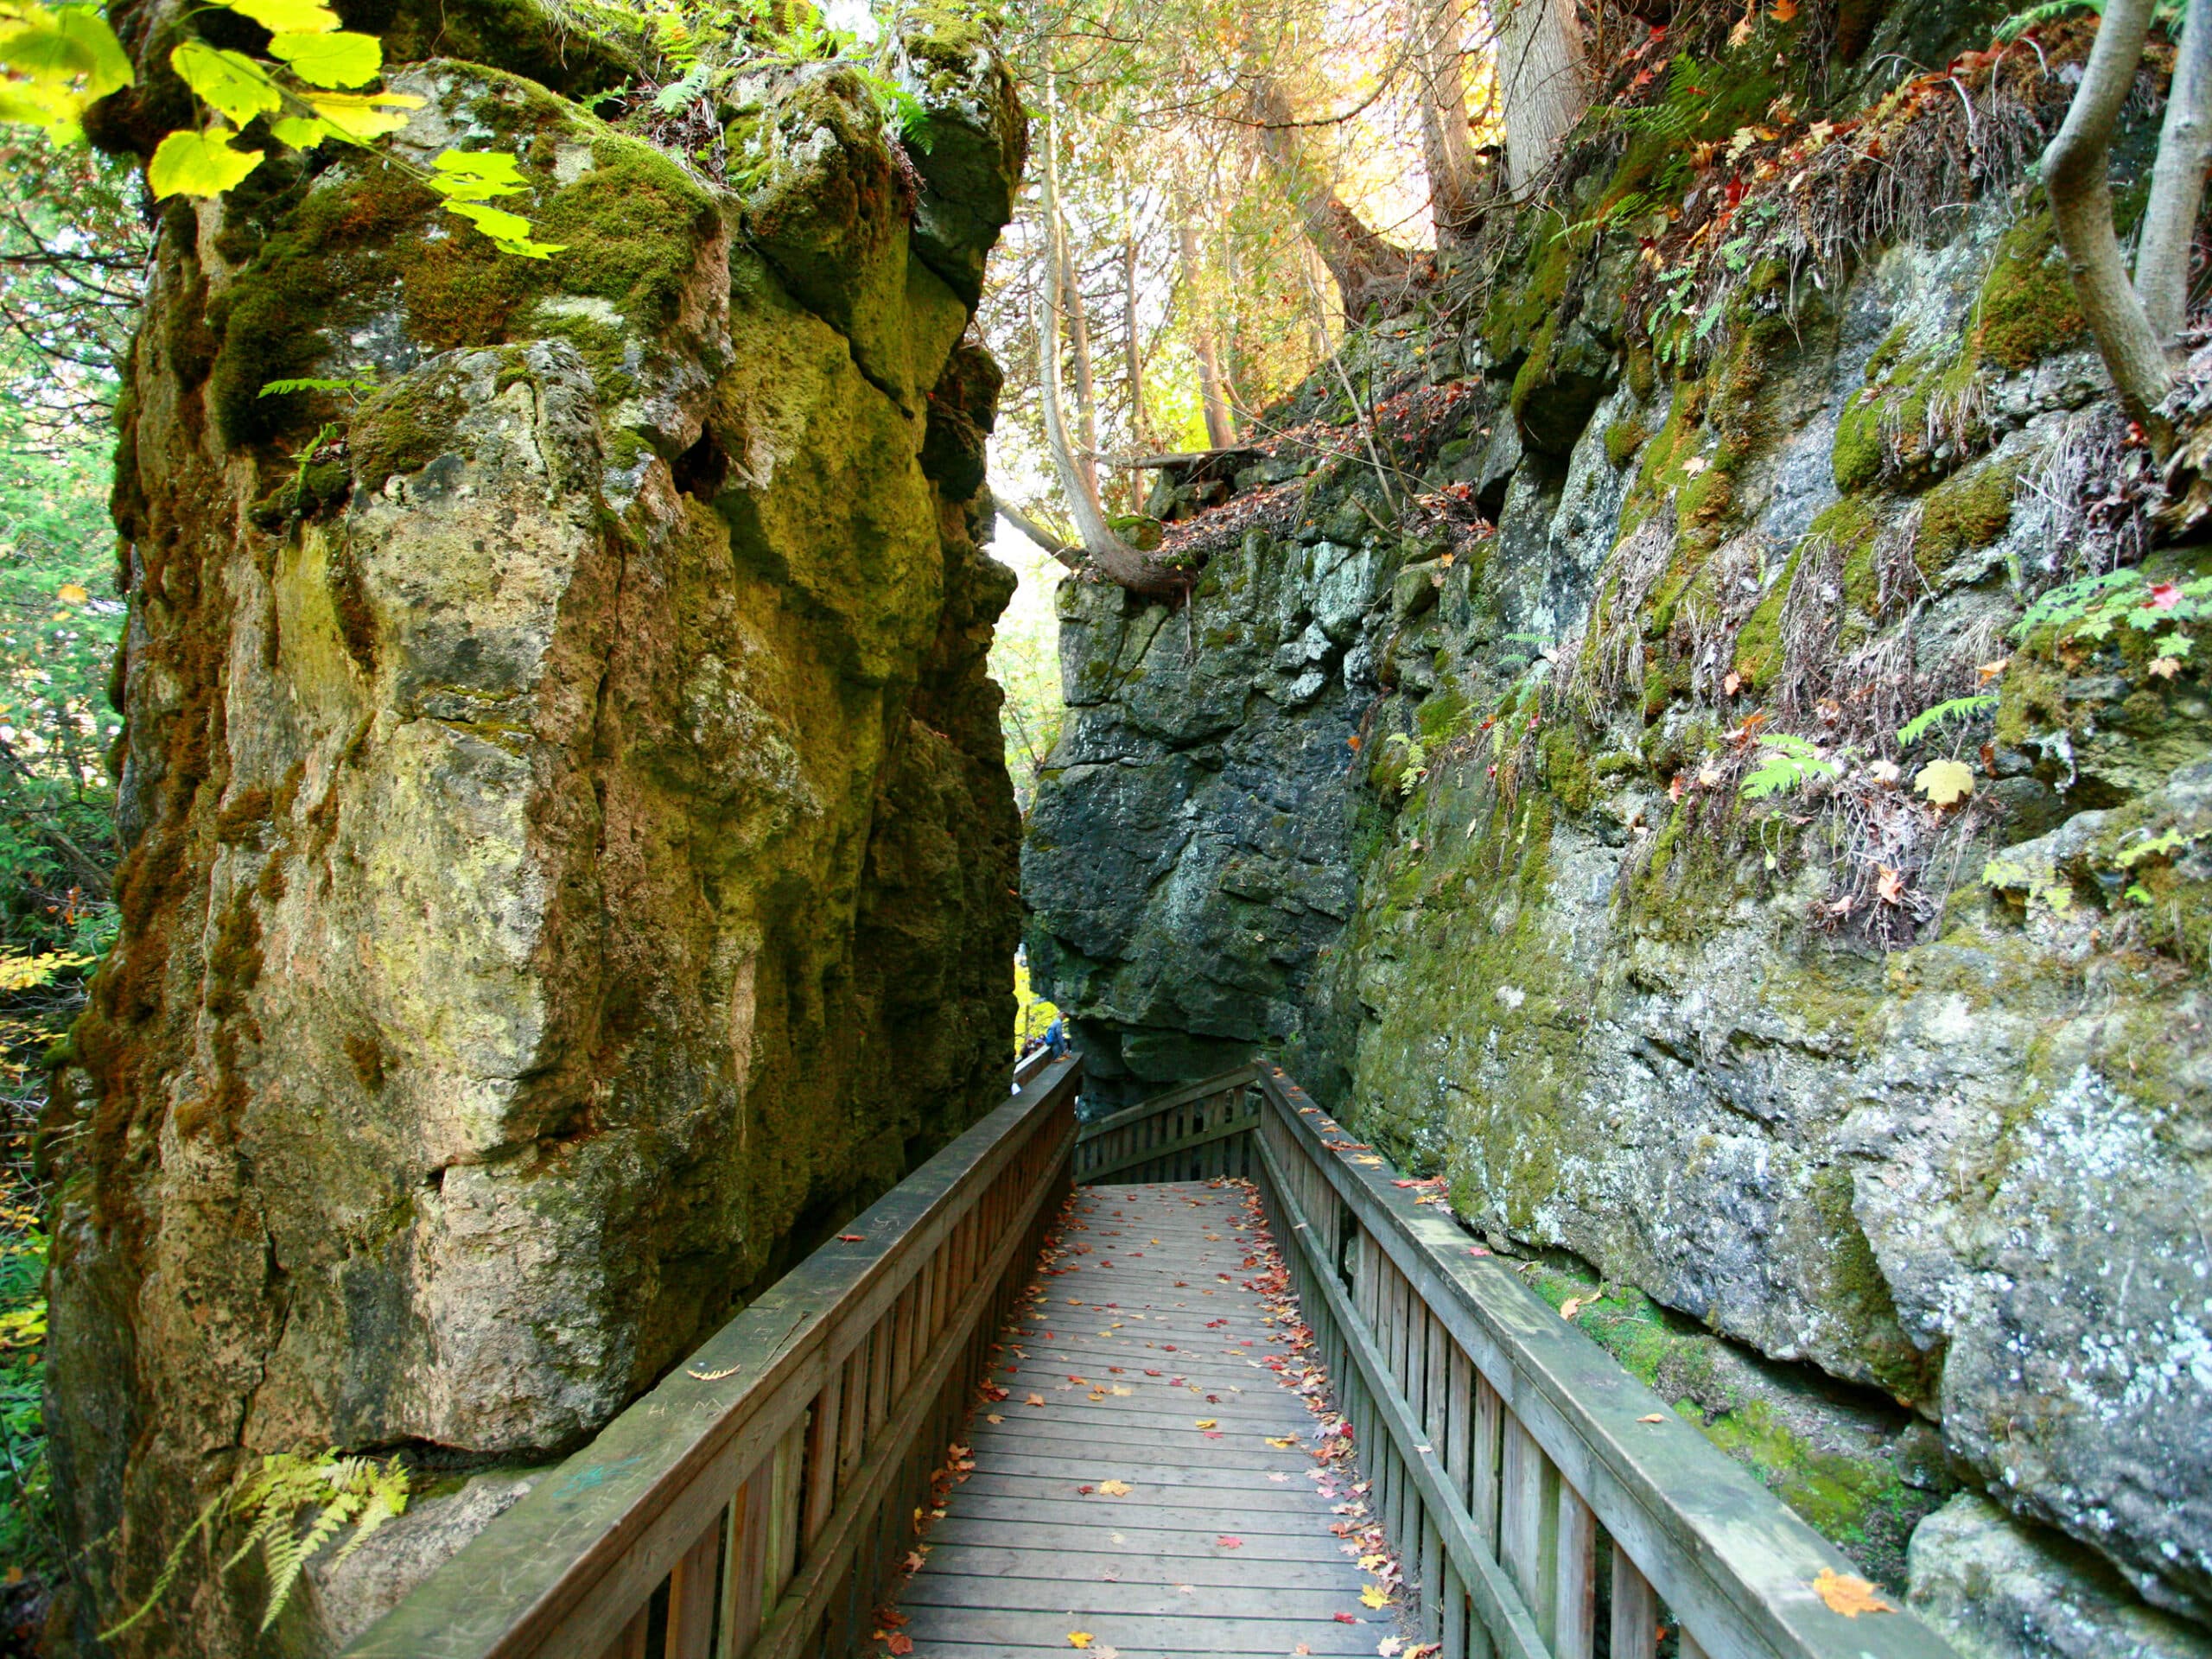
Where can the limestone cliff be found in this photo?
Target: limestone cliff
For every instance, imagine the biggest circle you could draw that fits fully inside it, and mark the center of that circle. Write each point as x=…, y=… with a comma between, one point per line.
x=568, y=854
x=1883, y=1124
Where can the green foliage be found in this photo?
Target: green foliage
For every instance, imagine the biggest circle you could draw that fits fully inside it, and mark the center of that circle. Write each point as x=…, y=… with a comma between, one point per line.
x=1786, y=764
x=333, y=1492
x=53, y=62
x=1956, y=708
x=2094, y=606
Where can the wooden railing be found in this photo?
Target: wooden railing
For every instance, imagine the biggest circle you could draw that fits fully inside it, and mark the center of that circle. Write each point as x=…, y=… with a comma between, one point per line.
x=756, y=1503
x=1191, y=1133
x=1543, y=1501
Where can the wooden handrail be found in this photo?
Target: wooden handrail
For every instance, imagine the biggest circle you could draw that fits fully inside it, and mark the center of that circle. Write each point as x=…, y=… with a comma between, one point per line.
x=1507, y=1456
x=755, y=1504
x=1199, y=1130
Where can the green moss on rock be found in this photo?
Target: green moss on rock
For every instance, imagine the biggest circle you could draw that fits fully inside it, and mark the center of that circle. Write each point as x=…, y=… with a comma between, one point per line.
x=2027, y=308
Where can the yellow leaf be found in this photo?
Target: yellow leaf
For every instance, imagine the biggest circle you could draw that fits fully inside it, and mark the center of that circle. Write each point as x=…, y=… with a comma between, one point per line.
x=1848, y=1595
x=363, y=116
x=1570, y=1307
x=1079, y=1638
x=198, y=164
x=288, y=16
x=1281, y=1444
x=71, y=594
x=1206, y=1422
x=1115, y=1487
x=1375, y=1596
x=229, y=82
x=324, y=59
x=1373, y=1563
x=1944, y=782
x=1653, y=1417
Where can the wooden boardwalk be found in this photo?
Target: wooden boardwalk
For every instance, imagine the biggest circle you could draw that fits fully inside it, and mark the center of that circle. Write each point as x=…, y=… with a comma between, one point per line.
x=1141, y=1363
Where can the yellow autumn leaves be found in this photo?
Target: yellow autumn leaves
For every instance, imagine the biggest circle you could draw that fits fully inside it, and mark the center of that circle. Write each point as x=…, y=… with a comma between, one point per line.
x=55, y=61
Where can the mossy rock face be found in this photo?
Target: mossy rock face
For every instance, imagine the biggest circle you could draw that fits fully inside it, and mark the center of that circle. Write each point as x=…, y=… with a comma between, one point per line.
x=1611, y=998
x=548, y=805
x=1962, y=514
x=2027, y=309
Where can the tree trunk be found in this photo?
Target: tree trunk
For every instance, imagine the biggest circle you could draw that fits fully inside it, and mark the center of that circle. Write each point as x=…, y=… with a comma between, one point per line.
x=1543, y=85
x=2076, y=170
x=1367, y=270
x=1133, y=345
x=1102, y=548
x=1454, y=200
x=1086, y=384
x=1221, y=422
x=463, y=1061
x=2177, y=183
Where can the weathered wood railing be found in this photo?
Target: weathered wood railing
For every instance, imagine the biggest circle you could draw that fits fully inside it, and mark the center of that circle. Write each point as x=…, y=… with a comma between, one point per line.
x=1544, y=1504
x=755, y=1504
x=1190, y=1134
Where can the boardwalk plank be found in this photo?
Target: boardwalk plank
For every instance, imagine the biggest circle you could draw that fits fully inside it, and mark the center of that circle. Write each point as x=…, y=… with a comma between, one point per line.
x=1206, y=1554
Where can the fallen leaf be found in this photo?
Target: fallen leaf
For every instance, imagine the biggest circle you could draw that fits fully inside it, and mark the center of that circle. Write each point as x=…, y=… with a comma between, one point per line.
x=993, y=1417
x=1206, y=1422
x=1653, y=1417
x=1944, y=782
x=1987, y=672
x=1283, y=1443
x=1079, y=1638
x=852, y=1239
x=1783, y=10
x=1696, y=464
x=2165, y=667
x=1571, y=1307
x=1036, y=1400
x=1226, y=1543
x=900, y=1642
x=1343, y=1618
x=1115, y=1487
x=71, y=594
x=1375, y=1596
x=1731, y=682
x=1890, y=886
x=1848, y=1595
x=1389, y=1646
x=1373, y=1563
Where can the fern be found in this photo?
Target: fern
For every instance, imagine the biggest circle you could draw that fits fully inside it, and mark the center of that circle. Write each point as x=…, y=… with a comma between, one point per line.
x=341, y=1491
x=1957, y=709
x=284, y=388
x=2073, y=601
x=2167, y=13
x=1787, y=764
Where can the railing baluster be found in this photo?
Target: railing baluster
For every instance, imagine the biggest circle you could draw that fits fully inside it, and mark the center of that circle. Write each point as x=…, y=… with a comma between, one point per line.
x=1574, y=1615
x=691, y=1585
x=742, y=1592
x=630, y=1644
x=1636, y=1611
x=1486, y=1493
x=821, y=1458
x=1436, y=1413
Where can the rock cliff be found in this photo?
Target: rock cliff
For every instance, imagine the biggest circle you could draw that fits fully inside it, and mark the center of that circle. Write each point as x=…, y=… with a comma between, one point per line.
x=1874, y=1131
x=568, y=855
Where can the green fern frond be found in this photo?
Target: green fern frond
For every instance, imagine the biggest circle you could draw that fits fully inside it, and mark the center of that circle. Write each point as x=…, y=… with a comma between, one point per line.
x=1956, y=708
